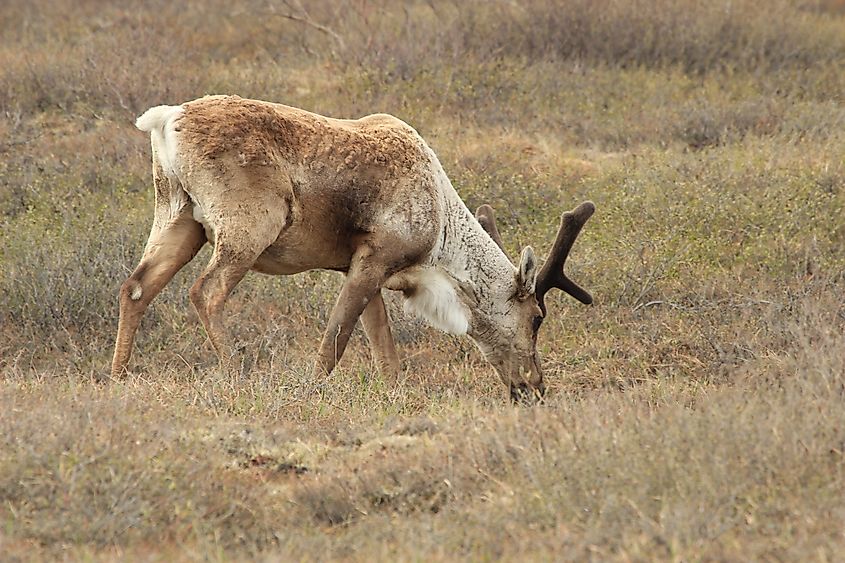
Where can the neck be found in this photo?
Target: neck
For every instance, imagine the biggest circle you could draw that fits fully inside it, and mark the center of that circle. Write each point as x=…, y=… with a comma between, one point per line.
x=483, y=273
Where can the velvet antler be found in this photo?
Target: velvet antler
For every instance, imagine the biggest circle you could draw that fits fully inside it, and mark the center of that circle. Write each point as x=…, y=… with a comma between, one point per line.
x=487, y=217
x=551, y=275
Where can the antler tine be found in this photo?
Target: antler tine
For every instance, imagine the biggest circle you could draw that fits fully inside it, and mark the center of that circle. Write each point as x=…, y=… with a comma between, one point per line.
x=551, y=275
x=487, y=217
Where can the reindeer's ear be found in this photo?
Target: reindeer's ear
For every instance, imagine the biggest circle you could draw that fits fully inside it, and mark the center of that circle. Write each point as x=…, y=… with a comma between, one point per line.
x=526, y=278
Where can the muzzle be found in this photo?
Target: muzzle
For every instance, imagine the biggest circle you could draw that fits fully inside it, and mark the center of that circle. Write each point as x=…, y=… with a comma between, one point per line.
x=525, y=394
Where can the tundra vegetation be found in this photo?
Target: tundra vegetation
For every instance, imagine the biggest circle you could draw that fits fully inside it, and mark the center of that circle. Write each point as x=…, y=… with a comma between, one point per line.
x=695, y=411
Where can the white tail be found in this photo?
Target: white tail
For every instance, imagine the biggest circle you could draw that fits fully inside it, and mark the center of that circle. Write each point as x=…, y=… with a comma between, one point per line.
x=156, y=118
x=159, y=123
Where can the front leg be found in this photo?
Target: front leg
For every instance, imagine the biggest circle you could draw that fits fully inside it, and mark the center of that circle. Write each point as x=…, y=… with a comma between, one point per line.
x=362, y=285
x=377, y=327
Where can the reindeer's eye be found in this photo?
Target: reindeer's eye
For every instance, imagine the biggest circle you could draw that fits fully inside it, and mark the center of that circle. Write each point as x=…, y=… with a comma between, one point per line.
x=536, y=322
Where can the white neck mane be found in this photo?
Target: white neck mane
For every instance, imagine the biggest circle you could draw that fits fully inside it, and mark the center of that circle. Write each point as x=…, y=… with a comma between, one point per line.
x=467, y=272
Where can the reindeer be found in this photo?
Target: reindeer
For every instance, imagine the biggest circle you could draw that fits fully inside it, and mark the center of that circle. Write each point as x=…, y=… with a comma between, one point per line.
x=280, y=190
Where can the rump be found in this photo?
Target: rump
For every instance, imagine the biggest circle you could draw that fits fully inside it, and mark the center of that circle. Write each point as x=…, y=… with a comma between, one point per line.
x=160, y=122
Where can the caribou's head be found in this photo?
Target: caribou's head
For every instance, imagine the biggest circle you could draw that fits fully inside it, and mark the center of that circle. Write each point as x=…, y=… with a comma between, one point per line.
x=511, y=344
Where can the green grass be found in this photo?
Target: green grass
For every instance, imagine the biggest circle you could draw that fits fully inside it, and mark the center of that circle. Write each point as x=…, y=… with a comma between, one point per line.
x=694, y=411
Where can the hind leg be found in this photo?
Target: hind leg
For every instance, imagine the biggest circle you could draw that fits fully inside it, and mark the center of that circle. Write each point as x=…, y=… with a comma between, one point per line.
x=235, y=252
x=209, y=294
x=168, y=249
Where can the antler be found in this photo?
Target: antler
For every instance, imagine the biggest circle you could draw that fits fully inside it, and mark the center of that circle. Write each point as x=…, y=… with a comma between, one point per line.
x=487, y=217
x=551, y=275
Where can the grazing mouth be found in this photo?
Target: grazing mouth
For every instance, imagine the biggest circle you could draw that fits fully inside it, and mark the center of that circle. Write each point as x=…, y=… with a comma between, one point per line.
x=524, y=394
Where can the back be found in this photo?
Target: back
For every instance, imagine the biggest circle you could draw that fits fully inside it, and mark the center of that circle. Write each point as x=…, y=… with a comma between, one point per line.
x=337, y=180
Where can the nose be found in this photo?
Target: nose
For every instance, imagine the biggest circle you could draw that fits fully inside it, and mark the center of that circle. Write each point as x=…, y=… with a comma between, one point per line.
x=525, y=394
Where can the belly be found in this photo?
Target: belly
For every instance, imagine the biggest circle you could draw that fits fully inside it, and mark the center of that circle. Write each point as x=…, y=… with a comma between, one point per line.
x=299, y=249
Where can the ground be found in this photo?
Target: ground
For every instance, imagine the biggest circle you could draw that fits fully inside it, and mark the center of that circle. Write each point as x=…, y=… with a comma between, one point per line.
x=694, y=412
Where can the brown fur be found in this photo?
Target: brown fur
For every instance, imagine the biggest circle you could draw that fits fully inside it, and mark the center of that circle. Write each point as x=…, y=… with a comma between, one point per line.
x=285, y=191
x=281, y=190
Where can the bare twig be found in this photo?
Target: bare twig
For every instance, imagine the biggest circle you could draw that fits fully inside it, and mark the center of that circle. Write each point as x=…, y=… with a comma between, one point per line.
x=657, y=302
x=6, y=146
x=304, y=18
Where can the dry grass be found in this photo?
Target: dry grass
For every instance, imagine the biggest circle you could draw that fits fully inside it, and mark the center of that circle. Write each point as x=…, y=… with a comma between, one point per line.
x=695, y=412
